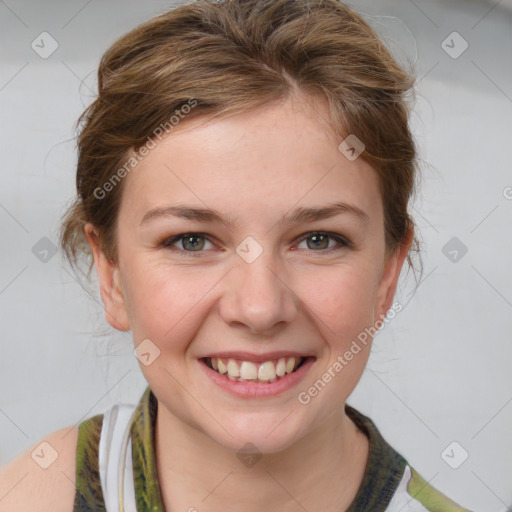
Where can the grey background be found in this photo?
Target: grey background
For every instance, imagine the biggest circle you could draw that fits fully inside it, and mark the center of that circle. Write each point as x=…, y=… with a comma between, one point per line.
x=439, y=372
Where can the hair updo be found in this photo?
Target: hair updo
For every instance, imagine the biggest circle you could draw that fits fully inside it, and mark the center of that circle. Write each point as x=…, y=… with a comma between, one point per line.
x=228, y=57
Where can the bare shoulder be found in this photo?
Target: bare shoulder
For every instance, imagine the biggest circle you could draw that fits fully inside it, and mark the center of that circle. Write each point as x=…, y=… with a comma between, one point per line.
x=42, y=478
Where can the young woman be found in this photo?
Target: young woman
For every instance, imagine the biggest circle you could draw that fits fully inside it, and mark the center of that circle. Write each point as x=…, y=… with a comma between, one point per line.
x=243, y=184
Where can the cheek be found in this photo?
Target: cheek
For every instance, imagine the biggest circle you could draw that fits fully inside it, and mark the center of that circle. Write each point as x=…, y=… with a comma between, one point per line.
x=344, y=300
x=166, y=302
x=345, y=309
x=343, y=314
x=162, y=300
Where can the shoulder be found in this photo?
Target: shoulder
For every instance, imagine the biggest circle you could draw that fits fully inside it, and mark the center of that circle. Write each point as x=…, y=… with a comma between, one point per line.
x=43, y=477
x=415, y=494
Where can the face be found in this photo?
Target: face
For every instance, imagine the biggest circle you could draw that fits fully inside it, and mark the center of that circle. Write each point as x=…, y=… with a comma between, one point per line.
x=263, y=280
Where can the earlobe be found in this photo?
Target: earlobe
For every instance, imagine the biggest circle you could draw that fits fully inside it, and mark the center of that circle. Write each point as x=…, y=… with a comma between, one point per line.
x=391, y=274
x=110, y=283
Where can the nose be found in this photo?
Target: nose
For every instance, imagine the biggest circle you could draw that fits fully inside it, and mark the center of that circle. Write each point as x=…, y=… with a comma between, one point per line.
x=258, y=296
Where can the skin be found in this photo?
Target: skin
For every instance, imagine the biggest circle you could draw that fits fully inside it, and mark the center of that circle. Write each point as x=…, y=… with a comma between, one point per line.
x=253, y=168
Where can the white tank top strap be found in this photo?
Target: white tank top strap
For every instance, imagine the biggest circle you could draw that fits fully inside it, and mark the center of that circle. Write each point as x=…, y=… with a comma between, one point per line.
x=115, y=459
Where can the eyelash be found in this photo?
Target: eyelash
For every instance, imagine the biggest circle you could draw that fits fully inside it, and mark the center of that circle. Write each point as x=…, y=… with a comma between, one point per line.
x=168, y=242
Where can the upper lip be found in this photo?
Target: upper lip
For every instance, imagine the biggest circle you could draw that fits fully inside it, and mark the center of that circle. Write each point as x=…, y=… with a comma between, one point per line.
x=255, y=358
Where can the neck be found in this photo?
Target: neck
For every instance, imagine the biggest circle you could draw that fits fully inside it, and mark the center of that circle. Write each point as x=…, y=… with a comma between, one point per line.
x=322, y=471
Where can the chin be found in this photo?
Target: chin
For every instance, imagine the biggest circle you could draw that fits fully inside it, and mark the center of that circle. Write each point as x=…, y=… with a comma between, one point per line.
x=272, y=436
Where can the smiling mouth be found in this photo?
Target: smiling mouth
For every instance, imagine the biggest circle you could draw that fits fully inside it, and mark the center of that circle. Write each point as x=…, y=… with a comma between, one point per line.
x=247, y=371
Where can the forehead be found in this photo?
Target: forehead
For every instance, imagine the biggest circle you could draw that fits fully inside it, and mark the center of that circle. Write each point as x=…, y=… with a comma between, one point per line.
x=271, y=159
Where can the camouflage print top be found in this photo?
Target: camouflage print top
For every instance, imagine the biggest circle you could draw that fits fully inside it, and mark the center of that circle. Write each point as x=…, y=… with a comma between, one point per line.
x=389, y=484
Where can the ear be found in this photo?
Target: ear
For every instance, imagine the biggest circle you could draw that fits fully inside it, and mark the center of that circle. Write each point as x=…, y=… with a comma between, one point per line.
x=390, y=274
x=110, y=283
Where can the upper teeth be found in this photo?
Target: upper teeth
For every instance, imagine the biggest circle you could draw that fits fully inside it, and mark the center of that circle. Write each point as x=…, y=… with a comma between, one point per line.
x=247, y=370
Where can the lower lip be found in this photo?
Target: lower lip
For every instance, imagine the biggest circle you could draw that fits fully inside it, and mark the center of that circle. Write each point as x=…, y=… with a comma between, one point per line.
x=258, y=389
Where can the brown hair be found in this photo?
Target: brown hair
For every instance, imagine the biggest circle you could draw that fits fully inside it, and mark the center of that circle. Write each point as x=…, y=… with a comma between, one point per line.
x=231, y=56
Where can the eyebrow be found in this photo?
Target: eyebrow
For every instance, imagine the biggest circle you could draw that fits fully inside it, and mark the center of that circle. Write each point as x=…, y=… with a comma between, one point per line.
x=297, y=216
